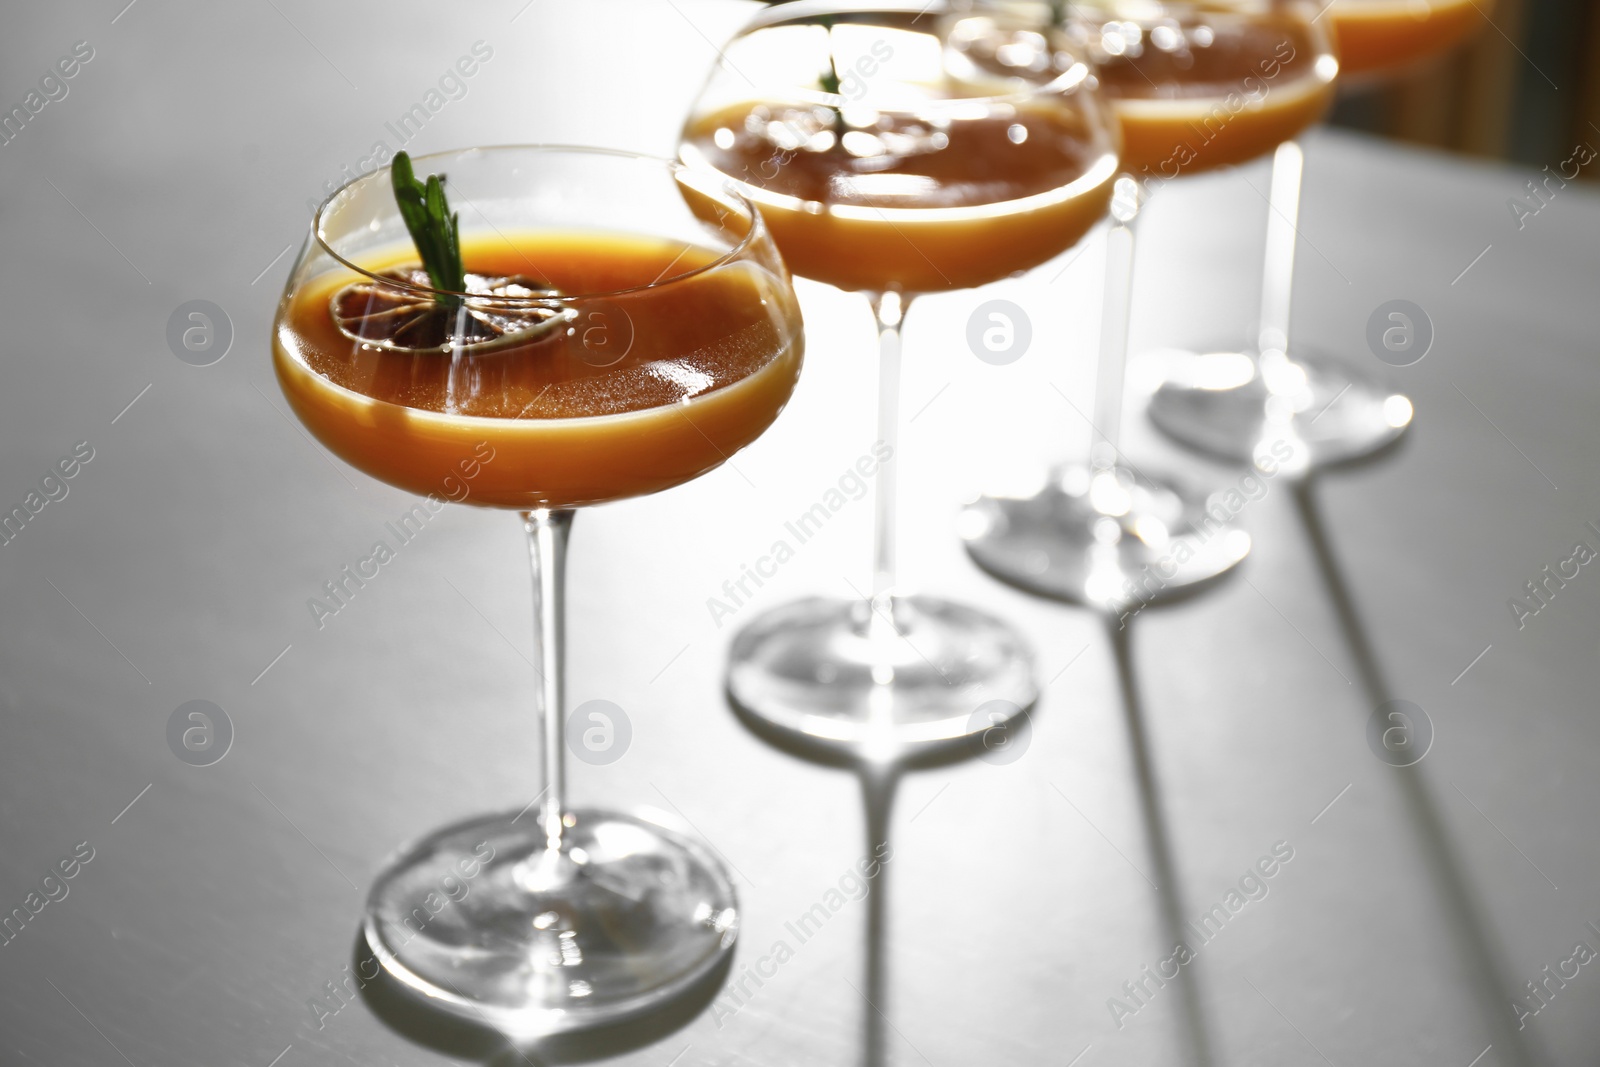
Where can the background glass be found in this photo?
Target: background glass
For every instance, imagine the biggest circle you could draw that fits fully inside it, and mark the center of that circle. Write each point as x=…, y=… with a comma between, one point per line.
x=888, y=164
x=1195, y=86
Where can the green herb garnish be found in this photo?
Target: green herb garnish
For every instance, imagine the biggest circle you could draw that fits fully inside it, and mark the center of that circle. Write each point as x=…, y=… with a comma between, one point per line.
x=829, y=80
x=434, y=230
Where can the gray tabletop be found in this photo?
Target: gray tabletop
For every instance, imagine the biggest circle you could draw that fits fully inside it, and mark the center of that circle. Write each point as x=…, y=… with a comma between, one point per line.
x=209, y=906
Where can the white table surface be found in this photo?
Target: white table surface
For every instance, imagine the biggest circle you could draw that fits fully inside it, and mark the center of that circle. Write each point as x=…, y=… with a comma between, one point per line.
x=1020, y=898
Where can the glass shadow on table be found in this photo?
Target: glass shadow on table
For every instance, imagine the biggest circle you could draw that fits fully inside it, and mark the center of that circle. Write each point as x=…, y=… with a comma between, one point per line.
x=1482, y=961
x=879, y=780
x=1483, y=967
x=413, y=1019
x=878, y=784
x=1197, y=1050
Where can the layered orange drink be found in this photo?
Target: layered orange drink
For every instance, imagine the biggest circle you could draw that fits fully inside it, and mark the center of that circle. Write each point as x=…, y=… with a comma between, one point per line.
x=579, y=400
x=1211, y=85
x=1381, y=37
x=916, y=181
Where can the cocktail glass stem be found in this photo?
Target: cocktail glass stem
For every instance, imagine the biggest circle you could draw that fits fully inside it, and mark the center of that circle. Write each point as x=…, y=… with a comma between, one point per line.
x=1277, y=273
x=889, y=309
x=880, y=673
x=1104, y=533
x=1114, y=318
x=1264, y=407
x=547, y=549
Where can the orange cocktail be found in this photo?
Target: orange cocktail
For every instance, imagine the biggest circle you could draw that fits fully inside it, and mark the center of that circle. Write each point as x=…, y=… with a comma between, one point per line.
x=1205, y=86
x=878, y=167
x=1380, y=37
x=885, y=162
x=1269, y=404
x=647, y=390
x=1005, y=191
x=565, y=326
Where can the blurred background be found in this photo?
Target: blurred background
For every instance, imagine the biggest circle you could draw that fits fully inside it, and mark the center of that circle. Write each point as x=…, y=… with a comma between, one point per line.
x=1526, y=89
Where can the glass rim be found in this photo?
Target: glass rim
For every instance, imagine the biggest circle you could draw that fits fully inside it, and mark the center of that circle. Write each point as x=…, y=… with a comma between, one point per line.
x=1308, y=14
x=798, y=11
x=671, y=166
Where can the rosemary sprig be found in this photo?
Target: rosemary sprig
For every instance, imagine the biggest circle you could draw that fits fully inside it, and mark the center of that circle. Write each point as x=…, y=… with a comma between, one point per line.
x=434, y=230
x=829, y=80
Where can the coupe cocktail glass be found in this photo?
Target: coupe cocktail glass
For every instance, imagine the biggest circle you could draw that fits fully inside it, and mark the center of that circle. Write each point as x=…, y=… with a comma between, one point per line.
x=1283, y=397
x=883, y=170
x=626, y=325
x=1195, y=85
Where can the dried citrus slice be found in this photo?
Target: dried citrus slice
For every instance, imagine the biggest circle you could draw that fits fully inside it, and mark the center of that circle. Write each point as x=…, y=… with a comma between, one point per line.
x=405, y=317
